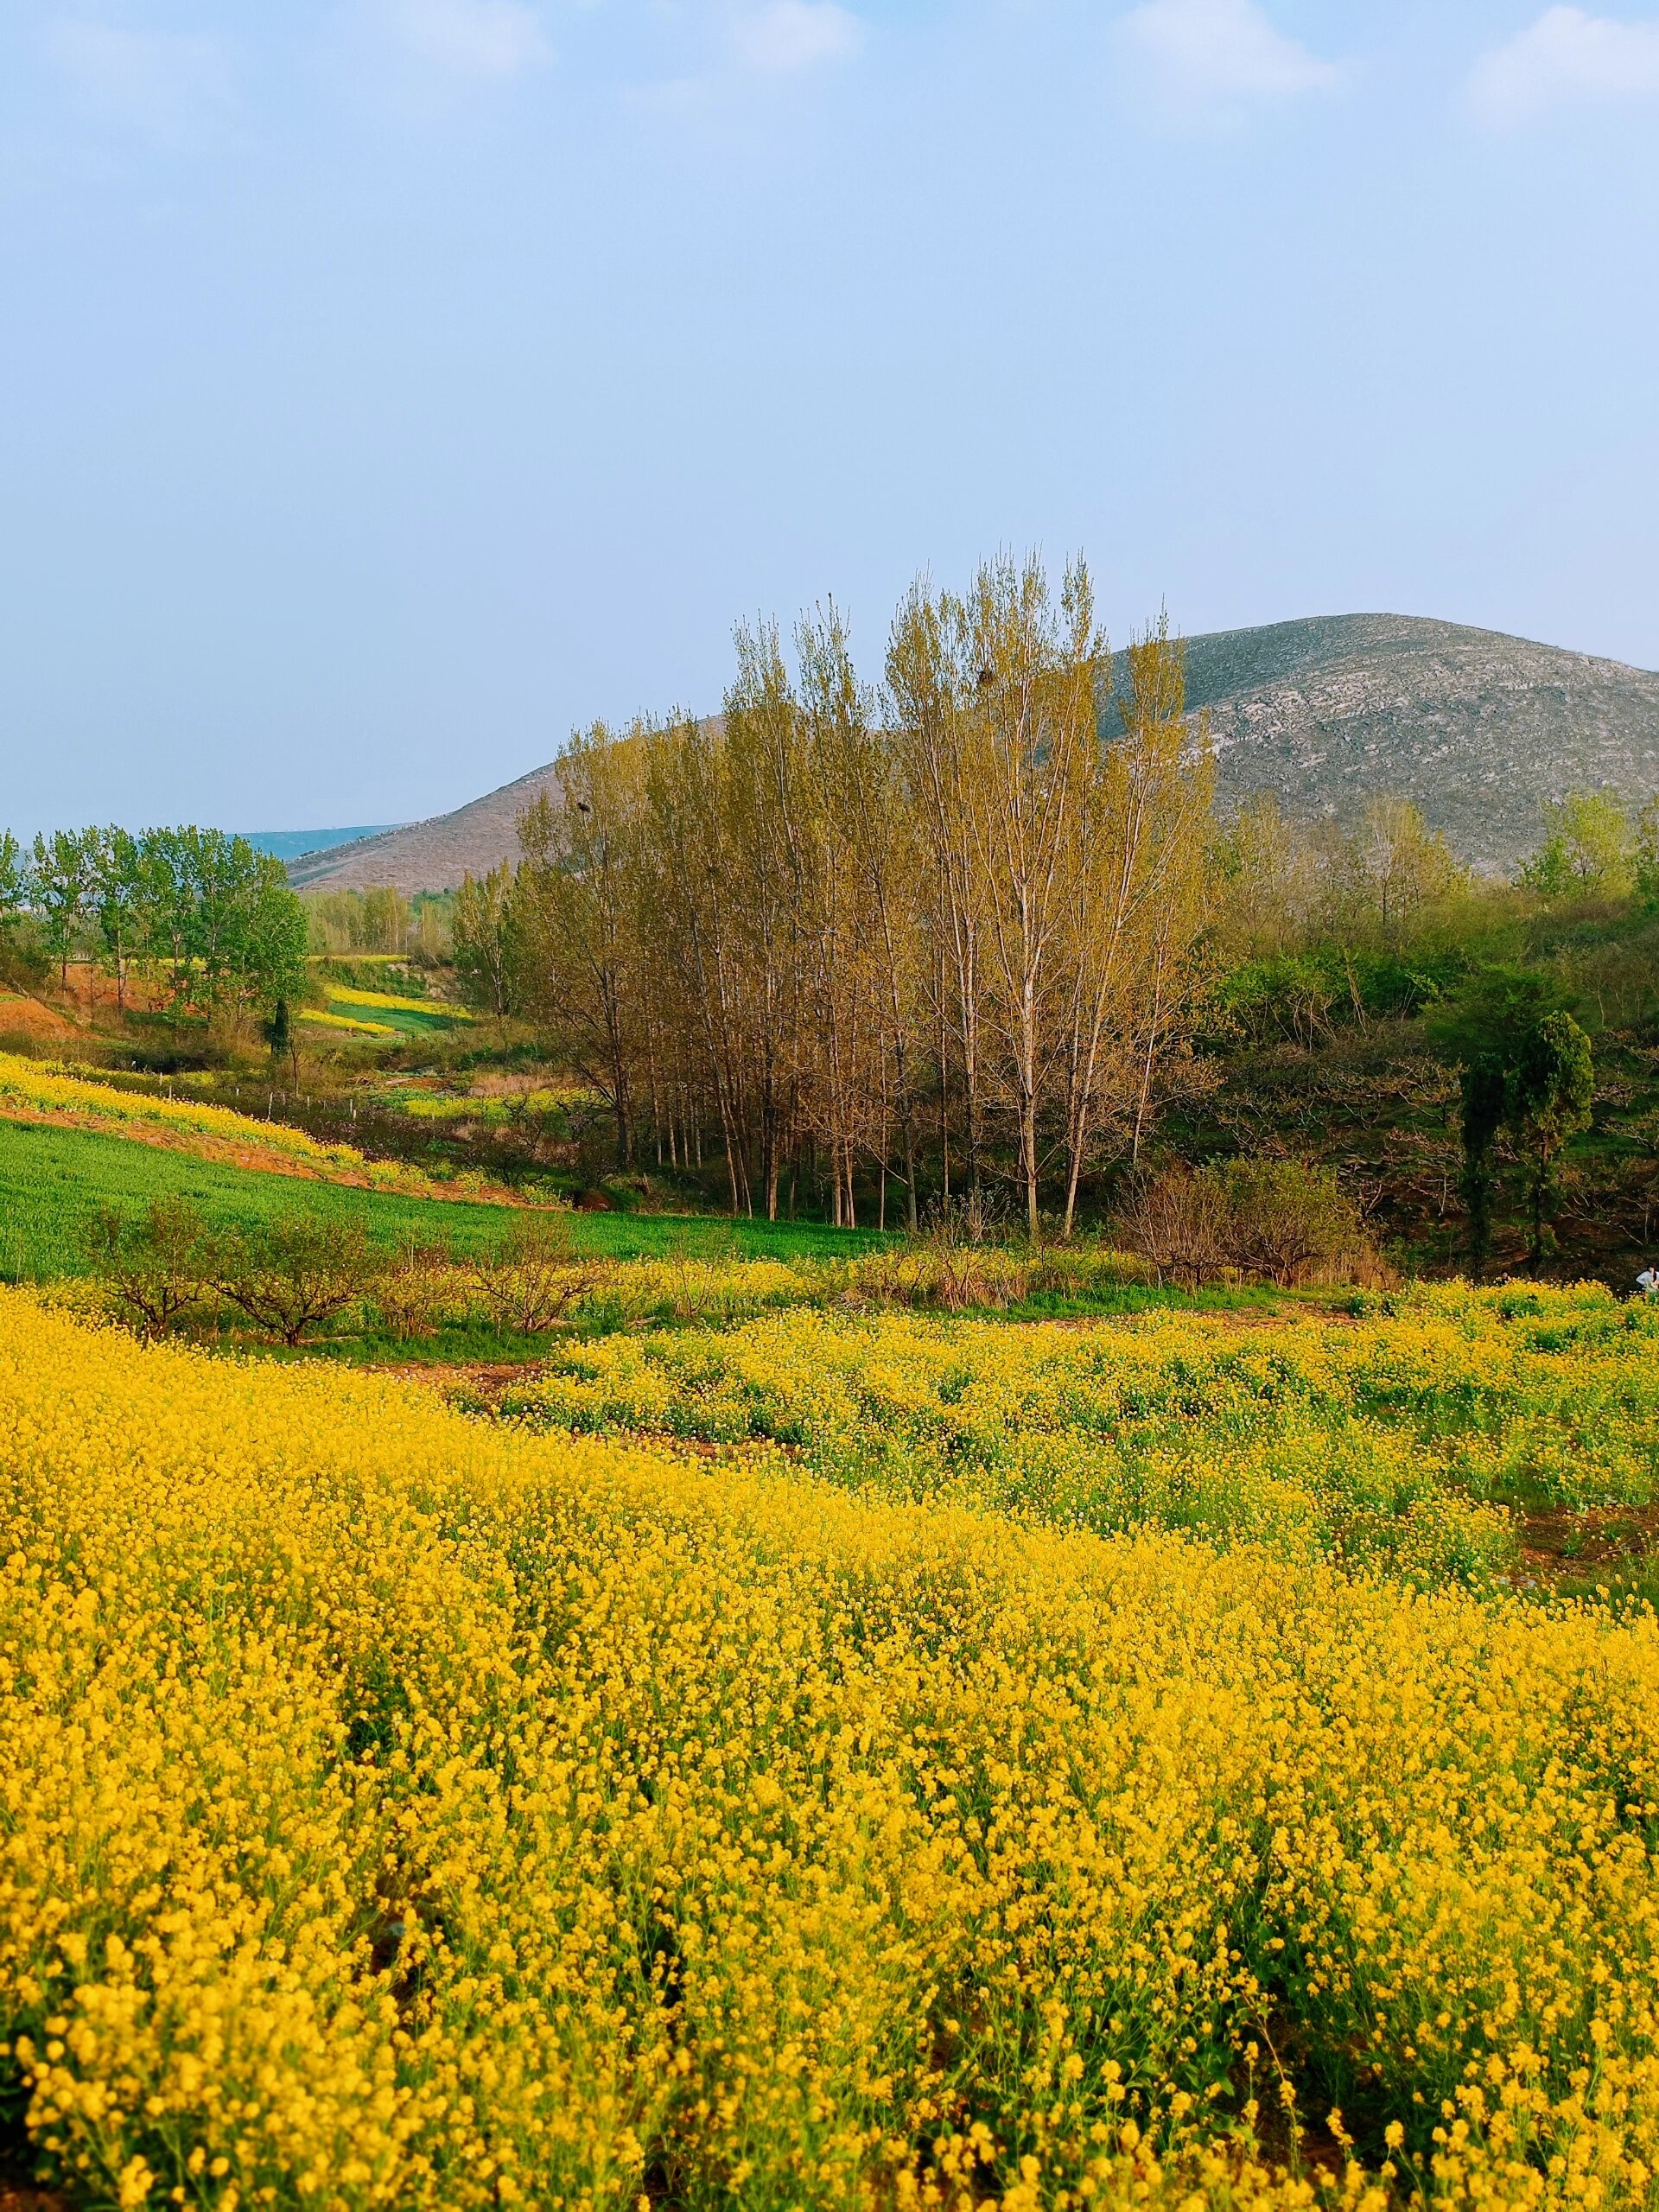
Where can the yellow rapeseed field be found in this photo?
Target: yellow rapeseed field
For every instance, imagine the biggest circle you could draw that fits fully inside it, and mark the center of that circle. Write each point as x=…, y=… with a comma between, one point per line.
x=331, y=1020
x=348, y=996
x=36, y=1083
x=37, y=1087
x=1394, y=1437
x=401, y=1809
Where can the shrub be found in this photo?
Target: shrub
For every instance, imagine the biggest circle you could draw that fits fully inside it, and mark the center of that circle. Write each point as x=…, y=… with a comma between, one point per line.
x=297, y=1272
x=1178, y=1222
x=416, y=1293
x=534, y=1277
x=158, y=1265
x=1277, y=1218
x=1075, y=1270
x=1283, y=1219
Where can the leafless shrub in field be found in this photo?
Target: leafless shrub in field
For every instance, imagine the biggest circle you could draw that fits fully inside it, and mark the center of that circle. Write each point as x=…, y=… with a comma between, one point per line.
x=1288, y=1222
x=535, y=1275
x=1277, y=1219
x=420, y=1290
x=296, y=1273
x=1178, y=1222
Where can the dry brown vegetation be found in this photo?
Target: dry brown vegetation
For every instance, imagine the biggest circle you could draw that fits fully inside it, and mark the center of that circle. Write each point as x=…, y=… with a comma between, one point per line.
x=842, y=939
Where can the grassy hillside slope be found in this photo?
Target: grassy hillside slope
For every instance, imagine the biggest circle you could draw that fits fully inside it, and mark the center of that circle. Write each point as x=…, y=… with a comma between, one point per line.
x=51, y=1178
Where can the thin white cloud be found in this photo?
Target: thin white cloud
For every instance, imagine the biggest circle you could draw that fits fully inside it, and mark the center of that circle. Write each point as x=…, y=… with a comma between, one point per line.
x=1568, y=58
x=1207, y=55
x=788, y=35
x=168, y=87
x=466, y=38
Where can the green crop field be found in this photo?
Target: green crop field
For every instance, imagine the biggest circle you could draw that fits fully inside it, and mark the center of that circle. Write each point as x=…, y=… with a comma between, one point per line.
x=51, y=1178
x=408, y=1020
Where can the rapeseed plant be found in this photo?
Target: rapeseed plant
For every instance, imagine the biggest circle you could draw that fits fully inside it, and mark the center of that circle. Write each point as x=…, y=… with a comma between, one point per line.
x=1387, y=1437
x=400, y=1809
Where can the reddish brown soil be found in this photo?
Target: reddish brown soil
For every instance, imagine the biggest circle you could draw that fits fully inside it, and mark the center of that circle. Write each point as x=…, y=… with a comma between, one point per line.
x=487, y=1380
x=1564, y=1545
x=23, y=1016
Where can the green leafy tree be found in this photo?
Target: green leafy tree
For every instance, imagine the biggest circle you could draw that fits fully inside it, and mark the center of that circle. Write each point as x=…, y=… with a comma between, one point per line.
x=221, y=920
x=1586, y=850
x=269, y=942
x=13, y=876
x=235, y=916
x=278, y=1030
x=1527, y=1069
x=1497, y=1005
x=1551, y=1087
x=14, y=882
x=1482, y=1029
x=167, y=910
x=1483, y=1094
x=57, y=892
x=115, y=898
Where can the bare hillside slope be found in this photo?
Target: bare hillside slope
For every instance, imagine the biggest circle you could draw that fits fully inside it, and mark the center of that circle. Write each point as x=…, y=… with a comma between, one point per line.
x=1477, y=728
x=430, y=856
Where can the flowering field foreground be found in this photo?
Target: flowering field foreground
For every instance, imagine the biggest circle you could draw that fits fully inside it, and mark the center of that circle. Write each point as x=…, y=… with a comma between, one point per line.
x=401, y=1810
x=1392, y=1439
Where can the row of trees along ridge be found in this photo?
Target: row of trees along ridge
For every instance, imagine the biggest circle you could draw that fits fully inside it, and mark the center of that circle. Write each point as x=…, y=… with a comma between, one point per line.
x=209, y=923
x=836, y=931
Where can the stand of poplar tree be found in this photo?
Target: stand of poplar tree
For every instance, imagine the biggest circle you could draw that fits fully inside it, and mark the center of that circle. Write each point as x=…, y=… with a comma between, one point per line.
x=924, y=938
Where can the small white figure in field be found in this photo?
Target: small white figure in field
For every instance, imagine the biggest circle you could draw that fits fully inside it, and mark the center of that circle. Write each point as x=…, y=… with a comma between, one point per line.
x=1648, y=1282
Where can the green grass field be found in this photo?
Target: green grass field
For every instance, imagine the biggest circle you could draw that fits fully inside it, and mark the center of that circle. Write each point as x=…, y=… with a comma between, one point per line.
x=439, y=1021
x=51, y=1178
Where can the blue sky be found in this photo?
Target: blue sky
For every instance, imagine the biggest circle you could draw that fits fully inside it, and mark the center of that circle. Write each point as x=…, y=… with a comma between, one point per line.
x=386, y=386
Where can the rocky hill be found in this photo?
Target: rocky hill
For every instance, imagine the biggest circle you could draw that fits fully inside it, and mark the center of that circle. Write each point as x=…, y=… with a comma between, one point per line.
x=1477, y=728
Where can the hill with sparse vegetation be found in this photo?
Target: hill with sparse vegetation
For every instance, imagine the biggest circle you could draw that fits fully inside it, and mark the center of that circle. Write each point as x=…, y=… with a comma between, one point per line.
x=1477, y=728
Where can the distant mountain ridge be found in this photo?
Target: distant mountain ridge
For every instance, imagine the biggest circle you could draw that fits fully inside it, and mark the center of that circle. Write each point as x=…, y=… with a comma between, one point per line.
x=295, y=844
x=1478, y=728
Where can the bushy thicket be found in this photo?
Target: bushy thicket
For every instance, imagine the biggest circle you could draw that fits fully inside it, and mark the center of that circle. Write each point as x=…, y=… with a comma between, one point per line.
x=1275, y=1219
